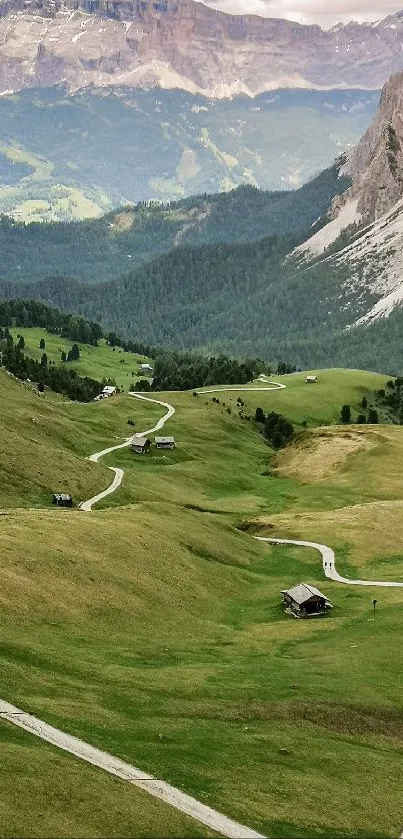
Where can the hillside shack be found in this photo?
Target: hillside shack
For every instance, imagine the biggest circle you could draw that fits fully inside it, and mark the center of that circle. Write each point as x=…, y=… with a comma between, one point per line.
x=310, y=380
x=108, y=390
x=145, y=370
x=165, y=442
x=62, y=499
x=140, y=445
x=304, y=601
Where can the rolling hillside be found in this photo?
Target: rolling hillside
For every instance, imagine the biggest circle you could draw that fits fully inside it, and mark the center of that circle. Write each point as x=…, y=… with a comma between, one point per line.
x=157, y=632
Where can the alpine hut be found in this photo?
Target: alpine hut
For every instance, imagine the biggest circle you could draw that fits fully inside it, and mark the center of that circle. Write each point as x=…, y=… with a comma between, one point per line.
x=165, y=442
x=140, y=445
x=305, y=601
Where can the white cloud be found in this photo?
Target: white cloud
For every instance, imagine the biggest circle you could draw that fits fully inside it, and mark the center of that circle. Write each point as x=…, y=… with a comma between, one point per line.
x=323, y=12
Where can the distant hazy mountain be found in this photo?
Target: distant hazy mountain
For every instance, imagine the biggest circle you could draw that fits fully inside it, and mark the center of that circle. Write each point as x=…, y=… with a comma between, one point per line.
x=64, y=157
x=249, y=273
x=183, y=44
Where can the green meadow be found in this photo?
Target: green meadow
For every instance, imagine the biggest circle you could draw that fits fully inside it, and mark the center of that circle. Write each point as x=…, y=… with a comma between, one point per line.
x=153, y=627
x=102, y=362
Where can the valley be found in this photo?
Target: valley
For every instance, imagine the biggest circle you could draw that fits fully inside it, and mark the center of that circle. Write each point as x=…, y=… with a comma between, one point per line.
x=156, y=633
x=67, y=157
x=201, y=416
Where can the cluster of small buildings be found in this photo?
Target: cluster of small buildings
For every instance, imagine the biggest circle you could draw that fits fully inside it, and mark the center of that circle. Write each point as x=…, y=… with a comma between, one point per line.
x=142, y=445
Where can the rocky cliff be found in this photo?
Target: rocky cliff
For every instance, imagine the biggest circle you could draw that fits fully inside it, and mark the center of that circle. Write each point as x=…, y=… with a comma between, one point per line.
x=184, y=44
x=376, y=165
x=365, y=232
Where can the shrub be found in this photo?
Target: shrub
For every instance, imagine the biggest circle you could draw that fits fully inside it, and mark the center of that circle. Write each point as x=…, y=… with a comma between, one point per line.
x=345, y=414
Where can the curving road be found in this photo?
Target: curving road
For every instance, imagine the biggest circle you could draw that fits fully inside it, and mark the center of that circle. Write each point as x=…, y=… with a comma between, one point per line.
x=263, y=379
x=328, y=562
x=88, y=505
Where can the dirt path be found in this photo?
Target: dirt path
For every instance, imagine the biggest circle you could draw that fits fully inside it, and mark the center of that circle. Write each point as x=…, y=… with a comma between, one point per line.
x=329, y=562
x=88, y=505
x=263, y=379
x=159, y=789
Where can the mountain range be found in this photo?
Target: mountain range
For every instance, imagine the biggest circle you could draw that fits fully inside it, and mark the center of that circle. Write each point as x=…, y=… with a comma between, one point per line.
x=186, y=45
x=311, y=275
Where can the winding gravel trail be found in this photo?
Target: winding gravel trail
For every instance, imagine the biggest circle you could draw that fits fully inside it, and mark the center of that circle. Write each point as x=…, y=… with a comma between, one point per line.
x=87, y=506
x=263, y=379
x=329, y=562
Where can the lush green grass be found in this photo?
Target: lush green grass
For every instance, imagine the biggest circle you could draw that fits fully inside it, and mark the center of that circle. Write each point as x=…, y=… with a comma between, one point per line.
x=316, y=404
x=76, y=799
x=102, y=362
x=45, y=439
x=155, y=630
x=163, y=623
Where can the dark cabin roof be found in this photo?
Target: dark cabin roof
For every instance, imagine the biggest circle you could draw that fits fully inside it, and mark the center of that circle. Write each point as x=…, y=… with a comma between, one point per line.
x=302, y=593
x=139, y=441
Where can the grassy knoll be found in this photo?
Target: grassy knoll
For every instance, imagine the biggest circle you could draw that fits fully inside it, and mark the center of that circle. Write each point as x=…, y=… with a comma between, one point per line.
x=154, y=629
x=98, y=362
x=45, y=439
x=320, y=403
x=47, y=793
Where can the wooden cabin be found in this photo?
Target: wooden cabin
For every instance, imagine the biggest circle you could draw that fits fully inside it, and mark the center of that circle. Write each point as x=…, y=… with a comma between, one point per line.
x=145, y=370
x=140, y=445
x=310, y=380
x=165, y=442
x=62, y=499
x=304, y=601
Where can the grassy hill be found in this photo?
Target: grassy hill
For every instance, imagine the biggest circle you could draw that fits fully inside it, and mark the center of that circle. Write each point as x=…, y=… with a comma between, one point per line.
x=101, y=362
x=72, y=157
x=157, y=631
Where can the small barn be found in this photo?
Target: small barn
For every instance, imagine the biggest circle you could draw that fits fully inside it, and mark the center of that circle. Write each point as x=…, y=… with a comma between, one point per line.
x=304, y=601
x=61, y=499
x=165, y=442
x=145, y=370
x=108, y=390
x=310, y=380
x=140, y=445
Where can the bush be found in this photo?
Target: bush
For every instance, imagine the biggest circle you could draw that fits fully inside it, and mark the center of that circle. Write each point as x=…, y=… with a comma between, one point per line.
x=259, y=415
x=361, y=419
x=278, y=430
x=345, y=414
x=372, y=416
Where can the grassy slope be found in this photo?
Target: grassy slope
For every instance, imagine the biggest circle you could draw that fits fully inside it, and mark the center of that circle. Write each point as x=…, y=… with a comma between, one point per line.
x=98, y=362
x=166, y=620
x=45, y=439
x=76, y=799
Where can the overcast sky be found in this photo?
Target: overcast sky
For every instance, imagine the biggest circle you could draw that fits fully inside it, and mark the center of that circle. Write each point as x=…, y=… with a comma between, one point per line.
x=324, y=12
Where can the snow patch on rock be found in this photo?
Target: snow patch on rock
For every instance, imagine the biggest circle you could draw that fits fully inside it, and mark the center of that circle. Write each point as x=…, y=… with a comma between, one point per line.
x=325, y=237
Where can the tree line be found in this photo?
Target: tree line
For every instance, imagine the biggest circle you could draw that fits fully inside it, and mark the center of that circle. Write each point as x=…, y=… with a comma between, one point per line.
x=59, y=378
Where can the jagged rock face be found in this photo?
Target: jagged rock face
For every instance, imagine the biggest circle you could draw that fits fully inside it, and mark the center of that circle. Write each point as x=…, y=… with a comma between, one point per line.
x=369, y=265
x=184, y=44
x=376, y=165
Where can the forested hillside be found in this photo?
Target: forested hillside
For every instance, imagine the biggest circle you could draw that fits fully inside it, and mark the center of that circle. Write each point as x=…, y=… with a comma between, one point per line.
x=101, y=249
x=244, y=300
